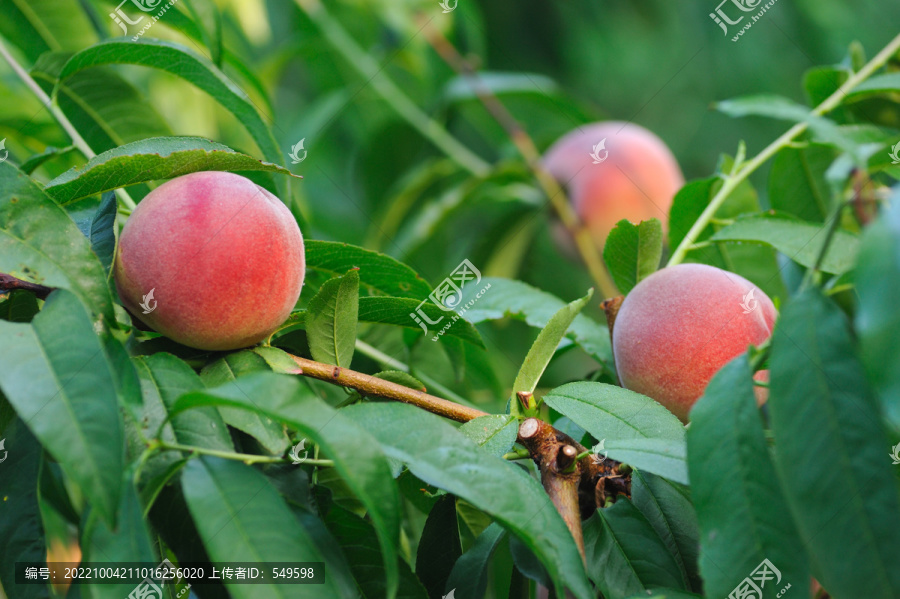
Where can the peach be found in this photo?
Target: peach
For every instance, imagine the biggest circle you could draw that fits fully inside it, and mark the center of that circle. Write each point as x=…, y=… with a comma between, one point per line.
x=636, y=178
x=680, y=325
x=210, y=260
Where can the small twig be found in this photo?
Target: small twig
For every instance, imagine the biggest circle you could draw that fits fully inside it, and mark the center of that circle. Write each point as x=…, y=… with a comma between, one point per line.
x=247, y=458
x=523, y=142
x=9, y=282
x=733, y=180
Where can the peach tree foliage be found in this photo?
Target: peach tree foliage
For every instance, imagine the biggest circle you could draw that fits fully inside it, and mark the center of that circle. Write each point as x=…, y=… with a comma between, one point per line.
x=148, y=449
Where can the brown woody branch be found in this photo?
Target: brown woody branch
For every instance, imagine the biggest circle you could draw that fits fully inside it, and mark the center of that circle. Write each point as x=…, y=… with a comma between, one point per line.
x=9, y=283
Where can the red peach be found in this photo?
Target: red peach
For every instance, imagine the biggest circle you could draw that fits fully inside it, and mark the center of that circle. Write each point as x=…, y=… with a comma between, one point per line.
x=636, y=178
x=222, y=257
x=680, y=325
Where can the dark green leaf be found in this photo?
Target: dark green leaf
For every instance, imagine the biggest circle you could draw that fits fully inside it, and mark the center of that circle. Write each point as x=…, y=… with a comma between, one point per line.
x=439, y=547
x=40, y=243
x=877, y=319
x=103, y=230
x=21, y=528
x=797, y=182
x=19, y=306
x=469, y=577
x=624, y=554
x=632, y=252
x=440, y=455
x=400, y=311
x=57, y=377
x=241, y=517
x=355, y=453
x=38, y=26
x=741, y=508
x=150, y=160
x=832, y=451
x=184, y=63
x=377, y=272
x=799, y=241
x=332, y=319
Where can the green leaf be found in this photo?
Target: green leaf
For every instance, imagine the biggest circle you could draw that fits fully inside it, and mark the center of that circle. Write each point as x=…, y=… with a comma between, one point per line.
x=399, y=311
x=829, y=438
x=184, y=63
x=799, y=241
x=469, y=577
x=877, y=318
x=667, y=506
x=38, y=26
x=797, y=183
x=632, y=252
x=776, y=107
x=241, y=517
x=624, y=554
x=21, y=528
x=439, y=546
x=741, y=508
x=378, y=273
x=56, y=375
x=543, y=349
x=356, y=455
x=513, y=298
x=879, y=84
x=150, y=160
x=495, y=433
x=332, y=319
x=227, y=369
x=499, y=83
x=105, y=109
x=103, y=230
x=19, y=306
x=442, y=456
x=40, y=243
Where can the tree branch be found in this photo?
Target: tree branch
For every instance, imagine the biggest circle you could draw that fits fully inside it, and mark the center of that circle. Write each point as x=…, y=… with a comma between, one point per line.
x=9, y=283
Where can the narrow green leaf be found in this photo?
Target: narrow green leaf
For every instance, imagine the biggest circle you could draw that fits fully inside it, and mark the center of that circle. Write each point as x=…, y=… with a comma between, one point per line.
x=877, y=319
x=41, y=244
x=880, y=84
x=514, y=298
x=797, y=183
x=495, y=433
x=469, y=577
x=544, y=347
x=829, y=436
x=21, y=528
x=56, y=375
x=439, y=546
x=799, y=241
x=776, y=107
x=103, y=230
x=38, y=26
x=332, y=318
x=242, y=518
x=356, y=455
x=184, y=63
x=741, y=508
x=624, y=554
x=442, y=456
x=632, y=252
x=377, y=272
x=150, y=160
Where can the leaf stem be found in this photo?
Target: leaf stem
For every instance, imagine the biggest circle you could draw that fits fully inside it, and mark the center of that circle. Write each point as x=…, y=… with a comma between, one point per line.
x=247, y=458
x=371, y=72
x=61, y=118
x=526, y=147
x=732, y=181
